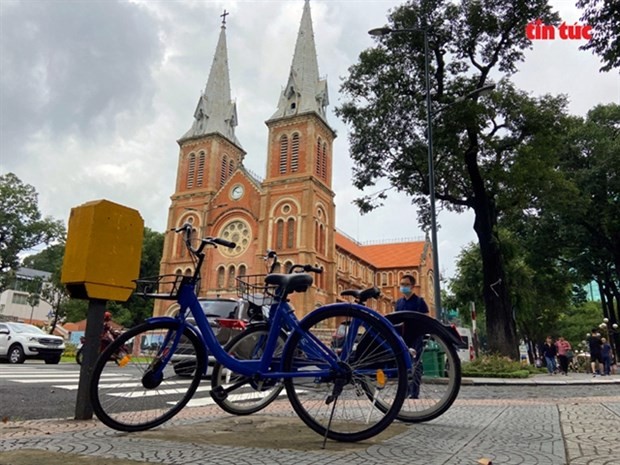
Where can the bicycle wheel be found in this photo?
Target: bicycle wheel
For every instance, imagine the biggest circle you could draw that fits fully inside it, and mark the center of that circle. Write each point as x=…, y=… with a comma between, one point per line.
x=242, y=395
x=334, y=402
x=137, y=394
x=436, y=377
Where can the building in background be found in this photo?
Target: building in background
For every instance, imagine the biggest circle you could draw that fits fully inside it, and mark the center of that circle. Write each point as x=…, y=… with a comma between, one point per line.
x=291, y=210
x=14, y=302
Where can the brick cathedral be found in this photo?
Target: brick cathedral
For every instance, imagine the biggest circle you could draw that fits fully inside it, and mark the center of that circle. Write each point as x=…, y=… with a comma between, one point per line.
x=292, y=210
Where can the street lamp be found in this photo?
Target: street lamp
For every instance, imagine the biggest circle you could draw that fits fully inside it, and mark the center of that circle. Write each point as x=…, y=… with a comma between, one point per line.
x=383, y=31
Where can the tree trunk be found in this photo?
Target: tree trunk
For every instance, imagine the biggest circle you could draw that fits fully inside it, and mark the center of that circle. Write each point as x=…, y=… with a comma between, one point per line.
x=501, y=324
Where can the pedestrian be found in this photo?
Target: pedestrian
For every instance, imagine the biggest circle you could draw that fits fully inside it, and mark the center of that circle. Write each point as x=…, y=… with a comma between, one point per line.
x=410, y=301
x=549, y=352
x=413, y=303
x=606, y=356
x=596, y=356
x=564, y=349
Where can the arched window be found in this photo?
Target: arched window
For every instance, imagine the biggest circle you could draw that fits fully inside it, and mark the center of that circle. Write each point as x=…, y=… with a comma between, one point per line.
x=230, y=284
x=287, y=266
x=277, y=268
x=201, y=169
x=191, y=168
x=279, y=235
x=221, y=276
x=295, y=153
x=231, y=167
x=242, y=270
x=321, y=248
x=290, y=233
x=283, y=154
x=318, y=157
x=324, y=161
x=224, y=170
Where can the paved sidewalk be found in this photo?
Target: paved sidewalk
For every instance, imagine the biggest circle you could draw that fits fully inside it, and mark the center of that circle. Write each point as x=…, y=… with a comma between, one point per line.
x=566, y=426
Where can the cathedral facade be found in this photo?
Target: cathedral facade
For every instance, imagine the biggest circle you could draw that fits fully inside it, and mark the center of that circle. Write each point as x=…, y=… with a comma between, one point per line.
x=291, y=210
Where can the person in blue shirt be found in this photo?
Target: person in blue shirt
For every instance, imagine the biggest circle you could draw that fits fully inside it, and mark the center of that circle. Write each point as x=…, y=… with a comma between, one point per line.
x=410, y=301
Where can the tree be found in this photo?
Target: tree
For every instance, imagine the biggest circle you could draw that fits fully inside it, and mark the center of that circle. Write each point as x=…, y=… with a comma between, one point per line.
x=479, y=142
x=604, y=17
x=21, y=226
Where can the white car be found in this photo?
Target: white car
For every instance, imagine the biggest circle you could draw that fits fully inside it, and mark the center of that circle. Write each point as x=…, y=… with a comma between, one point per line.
x=19, y=341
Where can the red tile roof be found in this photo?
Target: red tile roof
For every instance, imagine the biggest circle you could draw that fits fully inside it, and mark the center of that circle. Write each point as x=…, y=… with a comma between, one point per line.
x=390, y=255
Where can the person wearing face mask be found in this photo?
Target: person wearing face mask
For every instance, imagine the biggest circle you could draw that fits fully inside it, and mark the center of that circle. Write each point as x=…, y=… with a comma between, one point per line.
x=410, y=301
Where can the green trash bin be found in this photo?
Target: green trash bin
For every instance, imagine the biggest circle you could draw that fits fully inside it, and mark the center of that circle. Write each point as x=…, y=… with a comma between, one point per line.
x=433, y=360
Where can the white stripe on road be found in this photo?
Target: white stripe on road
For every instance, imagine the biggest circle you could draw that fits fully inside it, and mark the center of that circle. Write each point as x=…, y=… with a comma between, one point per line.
x=41, y=381
x=158, y=392
x=115, y=385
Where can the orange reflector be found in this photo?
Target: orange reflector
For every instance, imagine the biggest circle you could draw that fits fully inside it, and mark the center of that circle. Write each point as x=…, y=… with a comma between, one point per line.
x=124, y=361
x=381, y=379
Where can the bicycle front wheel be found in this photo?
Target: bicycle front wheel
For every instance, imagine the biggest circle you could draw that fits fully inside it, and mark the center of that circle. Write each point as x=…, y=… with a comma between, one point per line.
x=243, y=395
x=140, y=393
x=333, y=401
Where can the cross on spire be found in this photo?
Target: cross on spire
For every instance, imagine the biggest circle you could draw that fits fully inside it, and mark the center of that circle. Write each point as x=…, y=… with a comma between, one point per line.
x=223, y=15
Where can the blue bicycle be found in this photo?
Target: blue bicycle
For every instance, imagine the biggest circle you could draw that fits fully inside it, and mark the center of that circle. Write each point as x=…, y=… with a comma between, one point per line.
x=346, y=390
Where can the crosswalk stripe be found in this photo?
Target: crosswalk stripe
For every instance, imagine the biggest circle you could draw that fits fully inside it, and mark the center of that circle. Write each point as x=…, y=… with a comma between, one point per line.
x=41, y=381
x=113, y=386
x=159, y=392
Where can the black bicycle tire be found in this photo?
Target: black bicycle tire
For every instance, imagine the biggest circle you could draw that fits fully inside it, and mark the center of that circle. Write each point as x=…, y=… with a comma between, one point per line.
x=227, y=406
x=104, y=357
x=382, y=328
x=454, y=384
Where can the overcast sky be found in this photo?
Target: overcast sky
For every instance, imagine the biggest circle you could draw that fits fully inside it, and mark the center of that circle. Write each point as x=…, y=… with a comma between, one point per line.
x=94, y=95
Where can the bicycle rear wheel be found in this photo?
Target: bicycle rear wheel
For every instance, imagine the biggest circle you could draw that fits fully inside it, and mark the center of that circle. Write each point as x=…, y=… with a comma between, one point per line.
x=138, y=394
x=436, y=373
x=243, y=395
x=334, y=403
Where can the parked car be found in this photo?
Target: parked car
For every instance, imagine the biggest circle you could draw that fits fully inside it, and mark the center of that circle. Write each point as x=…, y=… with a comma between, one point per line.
x=227, y=318
x=20, y=341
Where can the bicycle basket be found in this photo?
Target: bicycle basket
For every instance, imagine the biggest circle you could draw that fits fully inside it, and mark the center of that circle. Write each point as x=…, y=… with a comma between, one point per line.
x=253, y=289
x=164, y=287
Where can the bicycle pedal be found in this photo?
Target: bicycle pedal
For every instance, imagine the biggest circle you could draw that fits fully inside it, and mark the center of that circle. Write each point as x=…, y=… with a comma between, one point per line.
x=219, y=393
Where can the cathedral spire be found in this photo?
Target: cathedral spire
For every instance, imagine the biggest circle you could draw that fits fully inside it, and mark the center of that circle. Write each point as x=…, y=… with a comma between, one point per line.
x=305, y=91
x=216, y=112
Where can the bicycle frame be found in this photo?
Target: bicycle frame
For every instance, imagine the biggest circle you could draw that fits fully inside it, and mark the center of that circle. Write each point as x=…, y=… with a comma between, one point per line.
x=282, y=316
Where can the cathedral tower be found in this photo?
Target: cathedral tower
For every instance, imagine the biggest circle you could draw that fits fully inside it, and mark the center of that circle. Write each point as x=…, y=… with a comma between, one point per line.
x=298, y=208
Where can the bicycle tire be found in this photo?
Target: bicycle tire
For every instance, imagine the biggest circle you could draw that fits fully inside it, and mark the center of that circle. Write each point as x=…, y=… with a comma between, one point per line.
x=250, y=395
x=437, y=372
x=140, y=400
x=347, y=415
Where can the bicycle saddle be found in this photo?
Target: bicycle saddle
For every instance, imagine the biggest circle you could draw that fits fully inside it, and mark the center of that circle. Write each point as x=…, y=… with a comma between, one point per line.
x=287, y=283
x=362, y=296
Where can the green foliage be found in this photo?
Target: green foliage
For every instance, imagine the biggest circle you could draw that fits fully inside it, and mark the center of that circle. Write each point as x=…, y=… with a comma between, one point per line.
x=576, y=321
x=497, y=366
x=21, y=225
x=604, y=17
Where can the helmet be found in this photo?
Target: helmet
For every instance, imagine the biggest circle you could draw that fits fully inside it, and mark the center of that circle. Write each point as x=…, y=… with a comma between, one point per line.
x=107, y=316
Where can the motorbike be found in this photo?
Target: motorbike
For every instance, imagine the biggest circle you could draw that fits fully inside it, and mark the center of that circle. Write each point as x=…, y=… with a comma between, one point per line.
x=117, y=357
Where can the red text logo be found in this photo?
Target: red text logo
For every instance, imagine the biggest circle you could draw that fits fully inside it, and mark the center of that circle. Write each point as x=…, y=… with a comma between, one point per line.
x=537, y=30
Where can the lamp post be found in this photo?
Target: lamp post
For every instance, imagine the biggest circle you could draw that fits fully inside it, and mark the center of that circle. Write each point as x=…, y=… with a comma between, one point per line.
x=383, y=31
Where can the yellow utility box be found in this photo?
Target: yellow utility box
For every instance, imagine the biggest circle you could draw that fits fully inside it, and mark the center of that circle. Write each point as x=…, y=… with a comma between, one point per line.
x=102, y=255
